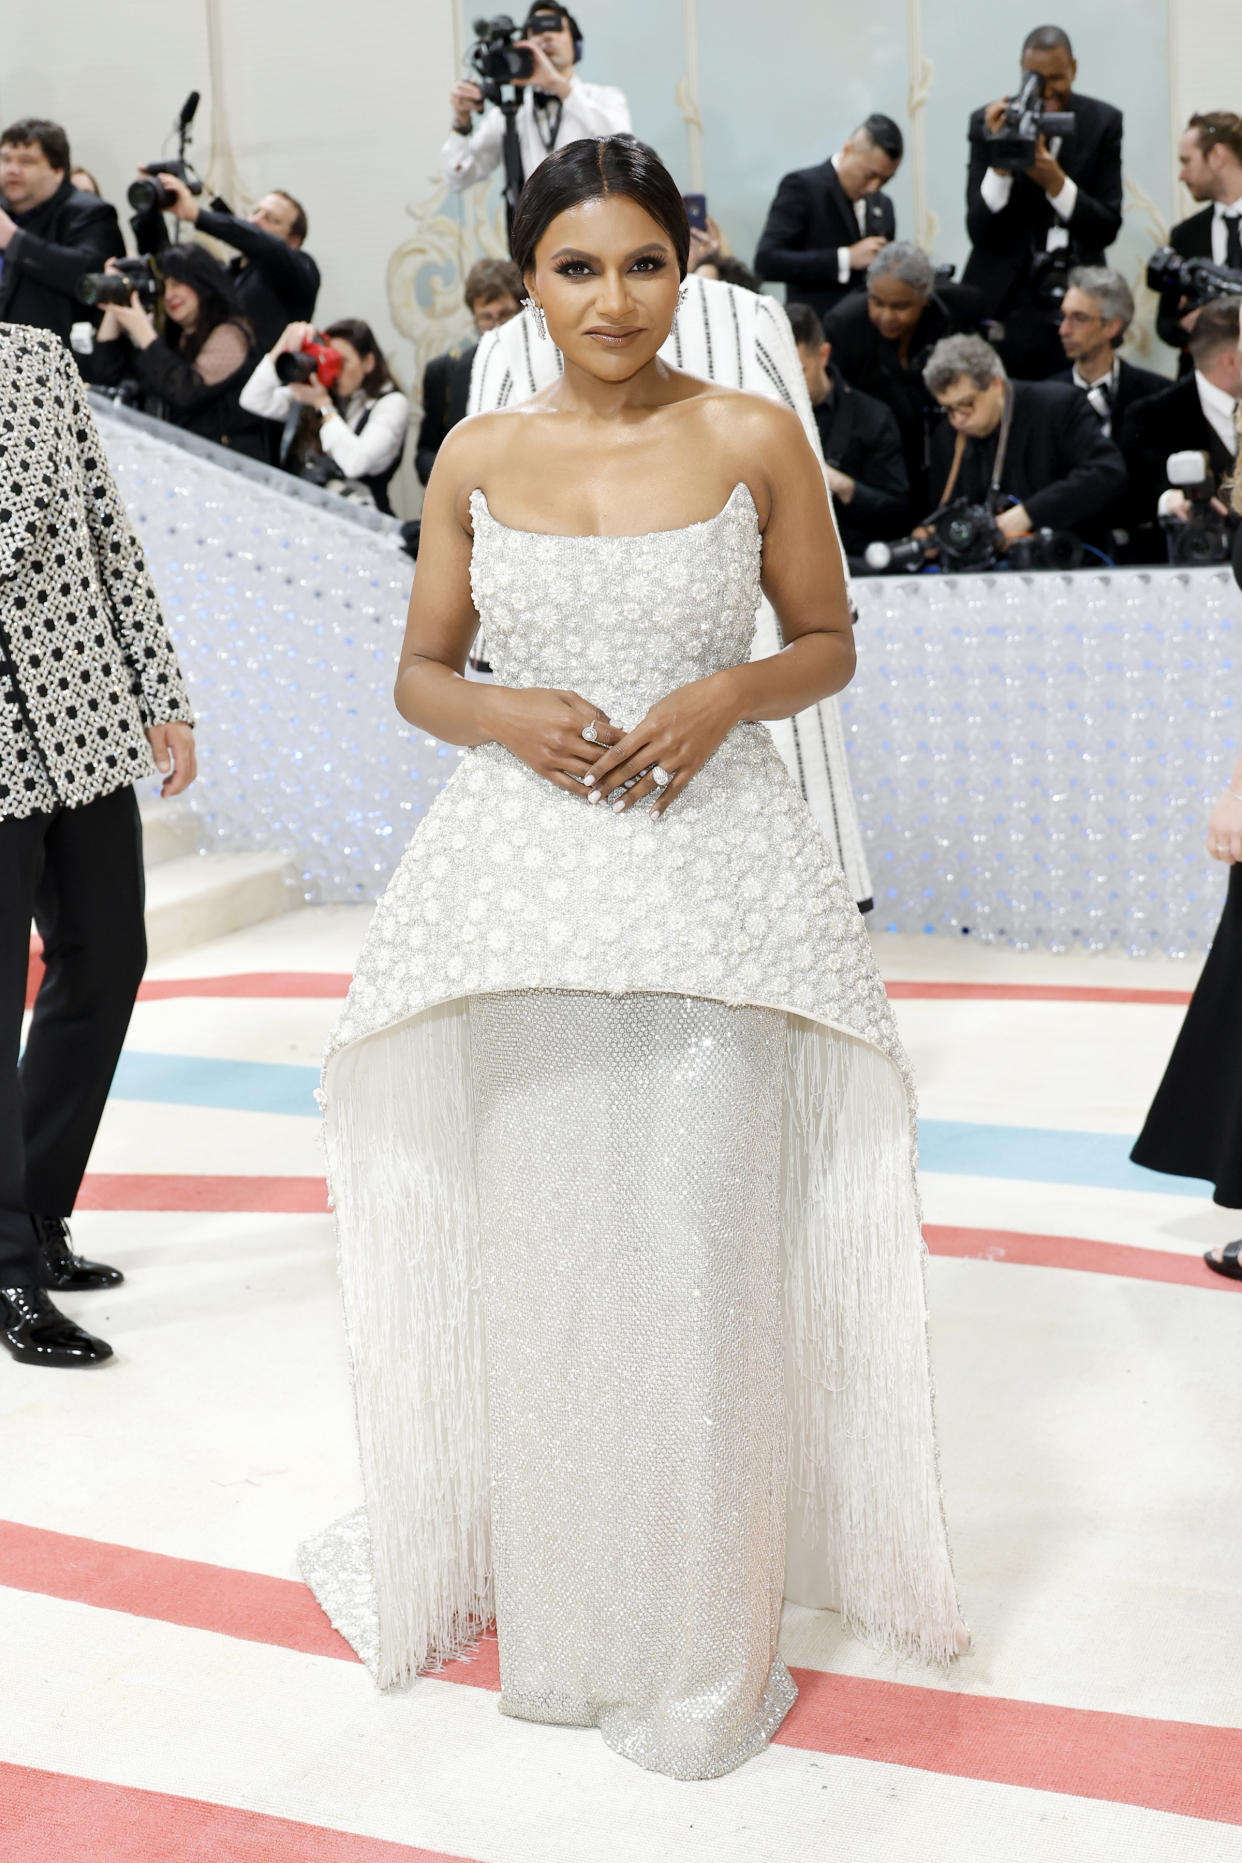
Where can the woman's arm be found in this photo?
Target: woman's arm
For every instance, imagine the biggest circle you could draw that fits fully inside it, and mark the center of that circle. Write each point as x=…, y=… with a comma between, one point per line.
x=1224, y=838
x=542, y=728
x=361, y=455
x=264, y=393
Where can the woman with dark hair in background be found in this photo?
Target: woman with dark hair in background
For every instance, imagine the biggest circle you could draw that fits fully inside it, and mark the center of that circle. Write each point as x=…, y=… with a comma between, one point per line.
x=189, y=372
x=353, y=430
x=618, y=1122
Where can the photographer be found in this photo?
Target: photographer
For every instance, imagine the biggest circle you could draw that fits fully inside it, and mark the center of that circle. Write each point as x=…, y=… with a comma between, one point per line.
x=353, y=429
x=1033, y=452
x=493, y=292
x=826, y=224
x=1096, y=312
x=557, y=105
x=274, y=281
x=1065, y=209
x=1209, y=166
x=858, y=439
x=190, y=373
x=50, y=231
x=880, y=343
x=1197, y=415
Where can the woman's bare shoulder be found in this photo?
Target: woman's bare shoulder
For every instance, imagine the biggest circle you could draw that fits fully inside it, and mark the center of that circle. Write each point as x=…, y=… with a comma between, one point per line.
x=471, y=449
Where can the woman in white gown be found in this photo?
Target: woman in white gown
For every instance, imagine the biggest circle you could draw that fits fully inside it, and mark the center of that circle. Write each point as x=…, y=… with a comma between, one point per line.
x=620, y=1132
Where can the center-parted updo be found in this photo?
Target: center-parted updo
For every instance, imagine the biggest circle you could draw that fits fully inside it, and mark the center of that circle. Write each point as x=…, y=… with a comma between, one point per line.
x=589, y=170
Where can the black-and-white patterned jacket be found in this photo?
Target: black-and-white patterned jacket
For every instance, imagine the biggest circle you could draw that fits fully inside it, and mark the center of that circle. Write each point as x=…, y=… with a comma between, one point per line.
x=86, y=662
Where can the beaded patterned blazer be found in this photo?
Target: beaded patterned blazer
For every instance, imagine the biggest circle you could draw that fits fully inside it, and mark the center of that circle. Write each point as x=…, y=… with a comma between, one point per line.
x=86, y=662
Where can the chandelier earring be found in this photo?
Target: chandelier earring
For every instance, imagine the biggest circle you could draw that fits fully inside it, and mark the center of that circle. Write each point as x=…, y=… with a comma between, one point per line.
x=682, y=295
x=537, y=316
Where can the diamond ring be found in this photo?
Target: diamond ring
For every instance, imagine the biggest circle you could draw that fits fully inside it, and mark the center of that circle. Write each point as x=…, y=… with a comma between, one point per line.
x=590, y=733
x=662, y=777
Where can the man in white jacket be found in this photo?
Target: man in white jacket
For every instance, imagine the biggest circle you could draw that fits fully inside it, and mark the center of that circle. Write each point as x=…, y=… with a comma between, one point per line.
x=557, y=106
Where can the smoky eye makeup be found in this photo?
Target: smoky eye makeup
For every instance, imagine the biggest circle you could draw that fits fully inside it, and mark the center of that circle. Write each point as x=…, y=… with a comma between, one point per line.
x=571, y=265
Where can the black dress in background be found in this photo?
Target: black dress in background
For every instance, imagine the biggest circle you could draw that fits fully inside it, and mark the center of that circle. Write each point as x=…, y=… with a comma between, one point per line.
x=1194, y=1128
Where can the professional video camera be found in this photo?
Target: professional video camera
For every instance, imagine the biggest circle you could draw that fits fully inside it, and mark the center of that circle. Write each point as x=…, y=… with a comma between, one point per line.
x=496, y=56
x=961, y=536
x=315, y=358
x=1204, y=536
x=149, y=191
x=1194, y=281
x=117, y=287
x=1014, y=146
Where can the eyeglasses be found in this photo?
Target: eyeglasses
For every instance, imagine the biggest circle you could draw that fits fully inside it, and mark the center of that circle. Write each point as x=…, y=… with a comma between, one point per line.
x=1080, y=318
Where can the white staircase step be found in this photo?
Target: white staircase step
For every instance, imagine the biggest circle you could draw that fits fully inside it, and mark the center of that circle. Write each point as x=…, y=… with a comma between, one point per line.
x=194, y=897
x=169, y=829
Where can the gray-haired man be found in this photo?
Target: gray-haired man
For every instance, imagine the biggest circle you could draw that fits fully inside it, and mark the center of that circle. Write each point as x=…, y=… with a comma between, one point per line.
x=1096, y=312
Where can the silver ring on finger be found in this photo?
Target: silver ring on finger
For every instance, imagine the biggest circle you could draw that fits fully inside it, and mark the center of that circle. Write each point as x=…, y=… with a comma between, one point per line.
x=591, y=732
x=660, y=776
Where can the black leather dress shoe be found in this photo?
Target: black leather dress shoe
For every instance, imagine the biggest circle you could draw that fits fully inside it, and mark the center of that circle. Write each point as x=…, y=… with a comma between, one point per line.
x=37, y=1333
x=66, y=1271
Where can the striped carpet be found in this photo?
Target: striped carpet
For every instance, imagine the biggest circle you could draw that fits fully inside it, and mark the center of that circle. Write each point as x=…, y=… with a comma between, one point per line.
x=173, y=1692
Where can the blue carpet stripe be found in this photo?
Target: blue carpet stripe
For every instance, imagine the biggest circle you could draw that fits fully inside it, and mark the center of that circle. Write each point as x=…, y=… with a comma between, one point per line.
x=1099, y=1160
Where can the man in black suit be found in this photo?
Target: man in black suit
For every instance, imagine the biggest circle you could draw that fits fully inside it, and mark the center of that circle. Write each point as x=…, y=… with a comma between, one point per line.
x=493, y=293
x=1068, y=203
x=1197, y=415
x=50, y=231
x=881, y=340
x=1209, y=167
x=859, y=440
x=1096, y=312
x=826, y=224
x=1034, y=452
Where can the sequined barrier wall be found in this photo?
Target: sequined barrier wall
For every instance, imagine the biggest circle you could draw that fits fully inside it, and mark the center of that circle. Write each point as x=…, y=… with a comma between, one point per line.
x=1034, y=756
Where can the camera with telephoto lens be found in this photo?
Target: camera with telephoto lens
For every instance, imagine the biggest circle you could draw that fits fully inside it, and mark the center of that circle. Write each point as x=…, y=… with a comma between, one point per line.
x=1204, y=536
x=962, y=536
x=1194, y=282
x=497, y=58
x=149, y=191
x=316, y=358
x=1015, y=145
x=131, y=275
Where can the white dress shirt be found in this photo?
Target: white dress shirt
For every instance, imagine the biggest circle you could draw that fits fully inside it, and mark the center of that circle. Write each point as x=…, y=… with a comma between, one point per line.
x=359, y=455
x=1220, y=411
x=994, y=190
x=1222, y=211
x=588, y=110
x=860, y=214
x=1101, y=393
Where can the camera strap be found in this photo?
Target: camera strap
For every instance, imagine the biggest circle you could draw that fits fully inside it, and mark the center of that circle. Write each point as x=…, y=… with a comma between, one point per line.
x=1002, y=445
x=547, y=111
x=959, y=453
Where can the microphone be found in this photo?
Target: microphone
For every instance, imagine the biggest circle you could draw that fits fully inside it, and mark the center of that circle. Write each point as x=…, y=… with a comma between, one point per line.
x=188, y=109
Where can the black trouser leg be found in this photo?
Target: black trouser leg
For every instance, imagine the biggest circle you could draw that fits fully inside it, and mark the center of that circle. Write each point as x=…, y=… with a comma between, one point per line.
x=89, y=911
x=21, y=866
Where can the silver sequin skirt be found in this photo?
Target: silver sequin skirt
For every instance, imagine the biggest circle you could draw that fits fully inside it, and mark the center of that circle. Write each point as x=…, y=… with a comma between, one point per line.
x=629, y=1184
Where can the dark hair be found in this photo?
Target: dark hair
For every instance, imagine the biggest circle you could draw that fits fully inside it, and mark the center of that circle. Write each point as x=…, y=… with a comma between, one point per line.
x=1213, y=126
x=50, y=137
x=377, y=379
x=1047, y=39
x=301, y=225
x=1216, y=328
x=588, y=170
x=808, y=331
x=734, y=271
x=884, y=134
x=492, y=278
x=193, y=265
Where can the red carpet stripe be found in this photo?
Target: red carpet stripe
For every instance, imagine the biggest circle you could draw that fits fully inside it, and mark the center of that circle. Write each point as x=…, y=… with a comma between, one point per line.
x=1174, y=1766
x=902, y=991
x=270, y=983
x=308, y=1196
x=1077, y=1252
x=52, y=1817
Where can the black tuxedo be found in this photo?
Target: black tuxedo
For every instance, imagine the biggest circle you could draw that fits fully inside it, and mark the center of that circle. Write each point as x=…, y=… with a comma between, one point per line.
x=1192, y=239
x=858, y=435
x=872, y=363
x=810, y=219
x=1173, y=422
x=69, y=234
x=1004, y=245
x=1133, y=385
x=1060, y=463
x=446, y=388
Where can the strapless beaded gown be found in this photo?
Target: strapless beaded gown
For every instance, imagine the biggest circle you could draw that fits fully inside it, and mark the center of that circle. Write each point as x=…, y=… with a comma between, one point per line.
x=620, y=1140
